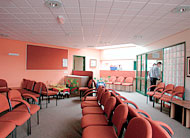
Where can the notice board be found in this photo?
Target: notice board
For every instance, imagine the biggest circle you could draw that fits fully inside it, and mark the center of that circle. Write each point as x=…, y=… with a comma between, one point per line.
x=46, y=58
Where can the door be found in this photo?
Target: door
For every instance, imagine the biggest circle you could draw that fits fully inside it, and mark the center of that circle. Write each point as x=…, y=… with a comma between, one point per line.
x=79, y=63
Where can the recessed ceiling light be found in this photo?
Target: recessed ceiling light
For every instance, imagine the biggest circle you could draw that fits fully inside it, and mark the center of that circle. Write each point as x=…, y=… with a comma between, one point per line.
x=53, y=3
x=60, y=19
x=3, y=35
x=181, y=9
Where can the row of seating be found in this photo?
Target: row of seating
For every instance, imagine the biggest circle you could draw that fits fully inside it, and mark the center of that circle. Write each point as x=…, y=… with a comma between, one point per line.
x=37, y=89
x=116, y=83
x=109, y=115
x=15, y=111
x=165, y=93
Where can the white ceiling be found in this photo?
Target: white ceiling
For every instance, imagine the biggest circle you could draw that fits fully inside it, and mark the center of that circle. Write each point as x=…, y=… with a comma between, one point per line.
x=92, y=22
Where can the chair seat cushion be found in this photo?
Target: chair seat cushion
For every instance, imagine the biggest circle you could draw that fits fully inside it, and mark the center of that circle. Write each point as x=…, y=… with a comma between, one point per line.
x=18, y=118
x=90, y=98
x=83, y=88
x=99, y=132
x=22, y=91
x=117, y=83
x=166, y=98
x=6, y=128
x=89, y=104
x=92, y=110
x=109, y=82
x=157, y=95
x=127, y=84
x=32, y=93
x=93, y=120
x=150, y=93
x=22, y=108
x=4, y=89
x=49, y=93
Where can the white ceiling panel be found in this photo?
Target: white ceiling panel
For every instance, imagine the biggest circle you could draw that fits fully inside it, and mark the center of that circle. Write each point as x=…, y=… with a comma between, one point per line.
x=92, y=22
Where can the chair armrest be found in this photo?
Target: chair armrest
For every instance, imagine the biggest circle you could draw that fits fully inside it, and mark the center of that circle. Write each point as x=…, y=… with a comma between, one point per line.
x=165, y=91
x=175, y=93
x=88, y=94
x=24, y=102
x=143, y=113
x=123, y=98
x=158, y=88
x=151, y=86
x=130, y=102
x=88, y=91
x=29, y=95
x=166, y=127
x=113, y=91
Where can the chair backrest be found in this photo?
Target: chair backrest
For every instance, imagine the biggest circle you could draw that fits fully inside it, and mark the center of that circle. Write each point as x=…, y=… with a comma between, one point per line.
x=112, y=79
x=162, y=85
x=14, y=94
x=109, y=107
x=4, y=104
x=120, y=79
x=138, y=127
x=30, y=85
x=105, y=97
x=91, y=83
x=129, y=80
x=179, y=89
x=160, y=129
x=169, y=87
x=3, y=83
x=24, y=83
x=38, y=87
x=119, y=118
x=100, y=93
x=118, y=101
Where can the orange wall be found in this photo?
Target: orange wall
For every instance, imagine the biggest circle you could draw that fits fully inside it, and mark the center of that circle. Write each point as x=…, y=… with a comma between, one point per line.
x=13, y=68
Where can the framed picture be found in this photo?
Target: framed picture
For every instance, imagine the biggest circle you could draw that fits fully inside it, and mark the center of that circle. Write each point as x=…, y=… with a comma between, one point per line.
x=93, y=63
x=188, y=66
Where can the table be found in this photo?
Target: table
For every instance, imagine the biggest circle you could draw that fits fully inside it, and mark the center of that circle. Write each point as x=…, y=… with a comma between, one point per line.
x=62, y=89
x=185, y=105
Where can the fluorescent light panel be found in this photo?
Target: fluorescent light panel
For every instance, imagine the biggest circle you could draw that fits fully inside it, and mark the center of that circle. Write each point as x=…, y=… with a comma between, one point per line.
x=117, y=46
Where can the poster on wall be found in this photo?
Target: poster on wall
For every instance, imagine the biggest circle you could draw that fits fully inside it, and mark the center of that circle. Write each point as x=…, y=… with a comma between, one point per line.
x=188, y=66
x=93, y=63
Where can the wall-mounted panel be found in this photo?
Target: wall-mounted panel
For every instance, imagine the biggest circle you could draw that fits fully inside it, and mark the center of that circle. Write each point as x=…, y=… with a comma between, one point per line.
x=45, y=58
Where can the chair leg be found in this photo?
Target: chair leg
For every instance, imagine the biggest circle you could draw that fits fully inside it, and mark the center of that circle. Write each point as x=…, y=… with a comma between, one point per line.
x=46, y=102
x=56, y=99
x=14, y=133
x=38, y=118
x=28, y=127
x=153, y=102
x=161, y=106
x=147, y=99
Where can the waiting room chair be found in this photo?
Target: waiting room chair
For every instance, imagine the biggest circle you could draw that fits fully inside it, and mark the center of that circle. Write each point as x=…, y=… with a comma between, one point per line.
x=118, y=83
x=128, y=82
x=91, y=84
x=110, y=82
x=7, y=128
x=3, y=86
x=159, y=87
x=15, y=94
x=118, y=121
x=138, y=127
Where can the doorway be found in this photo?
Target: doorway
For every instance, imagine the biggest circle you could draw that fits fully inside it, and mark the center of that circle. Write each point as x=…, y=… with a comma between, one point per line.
x=79, y=63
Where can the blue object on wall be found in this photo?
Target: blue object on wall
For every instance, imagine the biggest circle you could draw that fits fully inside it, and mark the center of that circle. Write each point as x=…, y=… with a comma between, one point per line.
x=113, y=68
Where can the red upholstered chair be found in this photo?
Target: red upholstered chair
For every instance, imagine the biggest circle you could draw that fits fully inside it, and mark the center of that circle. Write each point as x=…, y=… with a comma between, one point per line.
x=47, y=93
x=118, y=121
x=160, y=129
x=100, y=119
x=128, y=82
x=86, y=94
x=3, y=86
x=118, y=82
x=7, y=128
x=177, y=93
x=168, y=90
x=111, y=80
x=159, y=87
x=15, y=94
x=138, y=127
x=91, y=84
x=17, y=118
x=105, y=95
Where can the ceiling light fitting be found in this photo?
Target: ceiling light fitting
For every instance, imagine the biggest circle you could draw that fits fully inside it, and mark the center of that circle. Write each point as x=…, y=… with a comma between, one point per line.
x=181, y=9
x=53, y=3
